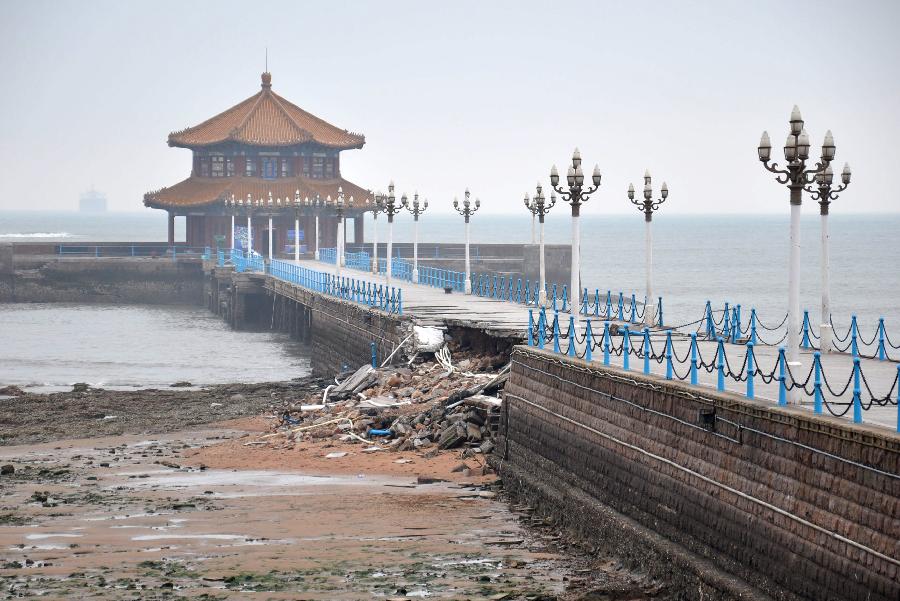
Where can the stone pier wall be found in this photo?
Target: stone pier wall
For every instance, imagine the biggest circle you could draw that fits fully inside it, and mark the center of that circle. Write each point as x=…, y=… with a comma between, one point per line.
x=736, y=499
x=119, y=280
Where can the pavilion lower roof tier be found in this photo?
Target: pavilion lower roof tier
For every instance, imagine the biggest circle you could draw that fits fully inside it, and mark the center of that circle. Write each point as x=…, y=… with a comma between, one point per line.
x=197, y=192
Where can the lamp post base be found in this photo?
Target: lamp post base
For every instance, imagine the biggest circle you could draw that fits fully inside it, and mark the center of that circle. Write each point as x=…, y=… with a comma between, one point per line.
x=542, y=297
x=825, y=331
x=316, y=255
x=415, y=276
x=468, y=286
x=794, y=394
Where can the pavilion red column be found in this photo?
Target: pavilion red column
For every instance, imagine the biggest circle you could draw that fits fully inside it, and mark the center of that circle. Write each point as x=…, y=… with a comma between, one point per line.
x=171, y=228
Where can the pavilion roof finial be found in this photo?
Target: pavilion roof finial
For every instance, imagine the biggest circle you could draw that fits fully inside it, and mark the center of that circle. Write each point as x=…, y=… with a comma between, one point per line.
x=266, y=80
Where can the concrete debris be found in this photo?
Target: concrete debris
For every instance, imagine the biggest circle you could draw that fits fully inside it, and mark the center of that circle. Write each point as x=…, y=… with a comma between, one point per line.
x=422, y=408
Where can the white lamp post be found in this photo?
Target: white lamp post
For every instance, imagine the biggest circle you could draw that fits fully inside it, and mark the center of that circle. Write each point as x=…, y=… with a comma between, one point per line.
x=249, y=226
x=416, y=209
x=539, y=208
x=271, y=206
x=795, y=175
x=231, y=207
x=390, y=207
x=576, y=195
x=467, y=211
x=378, y=208
x=298, y=204
x=824, y=194
x=647, y=207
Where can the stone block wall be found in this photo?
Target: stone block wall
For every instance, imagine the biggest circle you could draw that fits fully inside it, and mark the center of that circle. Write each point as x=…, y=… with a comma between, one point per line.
x=736, y=498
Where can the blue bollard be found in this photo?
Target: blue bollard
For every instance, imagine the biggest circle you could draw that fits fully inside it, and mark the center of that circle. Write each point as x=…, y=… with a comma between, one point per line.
x=804, y=341
x=626, y=349
x=659, y=314
x=621, y=307
x=669, y=368
x=726, y=322
x=736, y=330
x=720, y=365
x=782, y=387
x=898, y=397
x=853, y=330
x=634, y=309
x=606, y=342
x=751, y=370
x=554, y=297
x=857, y=393
x=596, y=302
x=565, y=298
x=608, y=304
x=556, y=331
x=647, y=351
x=584, y=303
x=374, y=355
x=588, y=342
x=399, y=302
x=571, y=350
x=753, y=326
x=542, y=327
x=881, y=352
x=817, y=383
x=530, y=327
x=518, y=290
x=694, y=358
x=710, y=324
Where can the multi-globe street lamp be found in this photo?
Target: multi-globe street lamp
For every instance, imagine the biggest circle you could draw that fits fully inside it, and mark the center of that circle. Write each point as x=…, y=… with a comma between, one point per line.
x=575, y=194
x=647, y=207
x=388, y=203
x=824, y=193
x=376, y=208
x=795, y=175
x=340, y=205
x=467, y=211
x=416, y=209
x=539, y=207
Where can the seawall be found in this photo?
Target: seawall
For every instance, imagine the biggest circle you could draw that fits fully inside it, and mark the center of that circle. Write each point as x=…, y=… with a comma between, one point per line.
x=699, y=486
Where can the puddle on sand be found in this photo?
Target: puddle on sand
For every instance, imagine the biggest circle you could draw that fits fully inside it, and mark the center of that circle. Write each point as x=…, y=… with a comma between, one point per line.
x=41, y=536
x=191, y=536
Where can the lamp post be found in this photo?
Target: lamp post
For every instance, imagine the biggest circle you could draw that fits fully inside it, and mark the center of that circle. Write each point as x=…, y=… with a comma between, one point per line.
x=316, y=205
x=416, y=210
x=539, y=208
x=231, y=207
x=340, y=204
x=824, y=194
x=532, y=208
x=390, y=207
x=271, y=208
x=249, y=206
x=647, y=207
x=298, y=207
x=467, y=211
x=576, y=195
x=377, y=208
x=795, y=175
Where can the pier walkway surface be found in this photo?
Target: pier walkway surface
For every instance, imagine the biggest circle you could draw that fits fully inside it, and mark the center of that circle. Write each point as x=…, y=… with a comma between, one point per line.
x=433, y=306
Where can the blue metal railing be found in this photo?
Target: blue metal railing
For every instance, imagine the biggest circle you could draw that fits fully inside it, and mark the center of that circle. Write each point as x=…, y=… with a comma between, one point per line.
x=133, y=250
x=566, y=340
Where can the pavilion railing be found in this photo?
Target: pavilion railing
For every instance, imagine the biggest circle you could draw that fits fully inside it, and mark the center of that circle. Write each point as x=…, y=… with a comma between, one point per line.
x=133, y=250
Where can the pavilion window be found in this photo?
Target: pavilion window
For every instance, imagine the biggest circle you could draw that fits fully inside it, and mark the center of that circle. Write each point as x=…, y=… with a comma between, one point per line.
x=329, y=169
x=229, y=167
x=269, y=167
x=204, y=167
x=285, y=168
x=318, y=167
x=306, y=163
x=251, y=167
x=218, y=166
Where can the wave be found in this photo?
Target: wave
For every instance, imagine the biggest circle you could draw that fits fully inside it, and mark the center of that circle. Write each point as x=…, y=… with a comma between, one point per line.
x=40, y=235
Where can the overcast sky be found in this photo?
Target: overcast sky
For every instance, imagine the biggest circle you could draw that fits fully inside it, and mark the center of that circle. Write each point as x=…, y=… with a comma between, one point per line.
x=453, y=94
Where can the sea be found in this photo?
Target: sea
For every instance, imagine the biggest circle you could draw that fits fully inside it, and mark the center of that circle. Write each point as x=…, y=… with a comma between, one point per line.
x=735, y=258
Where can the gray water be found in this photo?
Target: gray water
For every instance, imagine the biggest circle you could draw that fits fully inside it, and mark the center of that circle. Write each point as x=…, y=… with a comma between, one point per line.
x=736, y=258
x=46, y=347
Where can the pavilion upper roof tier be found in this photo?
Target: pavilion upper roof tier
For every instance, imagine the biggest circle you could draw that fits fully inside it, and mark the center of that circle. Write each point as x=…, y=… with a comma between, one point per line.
x=266, y=119
x=200, y=192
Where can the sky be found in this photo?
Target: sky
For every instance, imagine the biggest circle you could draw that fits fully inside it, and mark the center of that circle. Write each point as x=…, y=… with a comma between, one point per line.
x=484, y=95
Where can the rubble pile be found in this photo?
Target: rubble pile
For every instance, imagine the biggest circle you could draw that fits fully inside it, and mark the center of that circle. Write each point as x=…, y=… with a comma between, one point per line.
x=432, y=406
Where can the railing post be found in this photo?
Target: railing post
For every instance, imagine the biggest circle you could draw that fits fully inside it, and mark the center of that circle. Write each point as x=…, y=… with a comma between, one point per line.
x=588, y=342
x=726, y=322
x=753, y=326
x=817, y=383
x=596, y=302
x=374, y=355
x=857, y=393
x=693, y=369
x=853, y=342
x=527, y=290
x=736, y=330
x=720, y=365
x=804, y=341
x=608, y=304
x=555, y=331
x=584, y=303
x=898, y=397
x=660, y=314
x=554, y=297
x=400, y=302
x=565, y=297
x=669, y=367
x=542, y=327
x=782, y=387
x=571, y=349
x=530, y=327
x=646, y=350
x=710, y=324
x=621, y=306
x=751, y=370
x=606, y=342
x=634, y=308
x=626, y=349
x=518, y=290
x=882, y=355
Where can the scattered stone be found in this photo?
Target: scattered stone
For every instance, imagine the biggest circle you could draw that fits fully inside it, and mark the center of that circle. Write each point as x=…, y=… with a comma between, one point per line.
x=182, y=384
x=7, y=470
x=80, y=387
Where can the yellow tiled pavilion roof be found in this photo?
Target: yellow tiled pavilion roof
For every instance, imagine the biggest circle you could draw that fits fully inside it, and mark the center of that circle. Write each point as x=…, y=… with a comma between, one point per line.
x=266, y=119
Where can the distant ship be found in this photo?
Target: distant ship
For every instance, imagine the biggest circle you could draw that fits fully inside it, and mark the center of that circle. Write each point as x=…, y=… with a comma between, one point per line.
x=92, y=202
